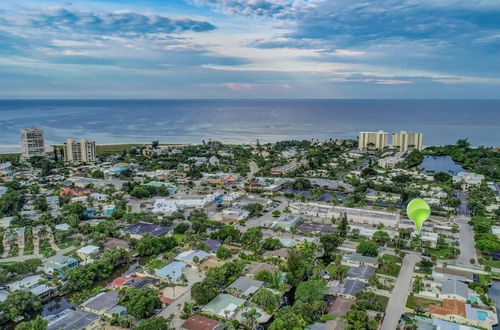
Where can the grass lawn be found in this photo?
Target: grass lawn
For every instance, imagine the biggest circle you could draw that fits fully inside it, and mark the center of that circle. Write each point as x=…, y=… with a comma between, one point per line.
x=8, y=263
x=444, y=253
x=65, y=245
x=414, y=302
x=47, y=251
x=389, y=265
x=490, y=262
x=178, y=237
x=70, y=253
x=156, y=264
x=28, y=252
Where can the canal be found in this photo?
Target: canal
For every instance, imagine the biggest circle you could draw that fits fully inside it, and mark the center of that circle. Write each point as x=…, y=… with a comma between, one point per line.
x=60, y=303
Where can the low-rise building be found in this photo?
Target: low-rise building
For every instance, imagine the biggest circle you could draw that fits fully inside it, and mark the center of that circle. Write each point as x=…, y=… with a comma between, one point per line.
x=198, y=322
x=363, y=216
x=104, y=304
x=172, y=272
x=346, y=289
x=59, y=264
x=234, y=215
x=287, y=222
x=357, y=259
x=189, y=257
x=468, y=179
x=244, y=286
x=70, y=319
x=33, y=284
x=283, y=169
x=88, y=252
x=361, y=273
x=224, y=305
x=139, y=229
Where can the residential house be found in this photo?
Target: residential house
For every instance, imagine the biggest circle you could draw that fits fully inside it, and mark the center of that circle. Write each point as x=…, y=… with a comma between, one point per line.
x=33, y=284
x=198, y=322
x=346, y=289
x=88, y=252
x=70, y=319
x=256, y=267
x=361, y=273
x=224, y=305
x=52, y=202
x=172, y=272
x=212, y=244
x=104, y=304
x=188, y=257
x=139, y=229
x=357, y=259
x=280, y=254
x=244, y=286
x=454, y=310
x=59, y=264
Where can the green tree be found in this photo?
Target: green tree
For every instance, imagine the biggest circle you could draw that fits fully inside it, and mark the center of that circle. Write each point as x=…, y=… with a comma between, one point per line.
x=268, y=300
x=442, y=177
x=223, y=253
x=381, y=237
x=20, y=303
x=286, y=318
x=139, y=302
x=271, y=244
x=37, y=324
x=418, y=284
x=367, y=248
x=251, y=239
x=154, y=323
x=330, y=242
x=254, y=209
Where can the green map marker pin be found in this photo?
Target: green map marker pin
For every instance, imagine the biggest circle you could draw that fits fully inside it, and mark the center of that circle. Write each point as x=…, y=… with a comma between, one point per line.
x=418, y=210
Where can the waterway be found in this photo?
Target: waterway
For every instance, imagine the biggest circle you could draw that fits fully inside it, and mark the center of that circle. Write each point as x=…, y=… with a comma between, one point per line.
x=59, y=303
x=434, y=164
x=494, y=294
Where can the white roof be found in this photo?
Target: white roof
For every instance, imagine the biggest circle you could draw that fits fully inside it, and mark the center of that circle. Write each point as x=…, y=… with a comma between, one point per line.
x=88, y=249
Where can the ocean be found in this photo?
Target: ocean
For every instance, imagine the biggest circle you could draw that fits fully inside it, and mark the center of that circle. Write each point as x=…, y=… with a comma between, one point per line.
x=238, y=121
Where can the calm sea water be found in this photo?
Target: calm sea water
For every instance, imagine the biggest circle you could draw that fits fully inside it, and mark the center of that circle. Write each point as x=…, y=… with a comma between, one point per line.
x=176, y=121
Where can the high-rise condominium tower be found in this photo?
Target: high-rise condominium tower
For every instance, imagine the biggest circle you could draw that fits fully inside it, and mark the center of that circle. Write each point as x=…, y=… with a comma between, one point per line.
x=407, y=141
x=372, y=140
x=32, y=142
x=82, y=151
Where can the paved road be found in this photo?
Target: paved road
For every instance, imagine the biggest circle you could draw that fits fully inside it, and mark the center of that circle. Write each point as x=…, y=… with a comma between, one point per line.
x=463, y=209
x=396, y=306
x=178, y=303
x=37, y=256
x=466, y=237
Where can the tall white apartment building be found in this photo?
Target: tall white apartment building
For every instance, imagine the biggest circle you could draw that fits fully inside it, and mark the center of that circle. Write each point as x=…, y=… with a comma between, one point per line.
x=32, y=142
x=405, y=141
x=372, y=140
x=82, y=151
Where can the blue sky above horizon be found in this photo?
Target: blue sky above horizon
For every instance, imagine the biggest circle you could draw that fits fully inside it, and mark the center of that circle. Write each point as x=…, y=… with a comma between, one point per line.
x=250, y=49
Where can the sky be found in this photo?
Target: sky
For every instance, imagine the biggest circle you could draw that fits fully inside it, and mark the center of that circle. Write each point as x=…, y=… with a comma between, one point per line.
x=250, y=49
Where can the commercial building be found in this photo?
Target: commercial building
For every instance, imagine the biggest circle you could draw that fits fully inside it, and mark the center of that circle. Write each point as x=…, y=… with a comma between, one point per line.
x=82, y=151
x=363, y=216
x=372, y=140
x=405, y=141
x=468, y=179
x=32, y=142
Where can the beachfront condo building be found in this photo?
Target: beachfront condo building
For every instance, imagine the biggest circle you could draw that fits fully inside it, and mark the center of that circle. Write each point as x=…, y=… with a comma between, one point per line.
x=405, y=141
x=82, y=151
x=372, y=140
x=32, y=142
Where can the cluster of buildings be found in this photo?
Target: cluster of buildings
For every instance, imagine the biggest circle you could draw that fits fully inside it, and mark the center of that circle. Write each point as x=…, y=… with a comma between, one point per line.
x=402, y=141
x=74, y=151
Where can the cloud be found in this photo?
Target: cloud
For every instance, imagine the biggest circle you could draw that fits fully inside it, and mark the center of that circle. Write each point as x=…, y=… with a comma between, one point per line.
x=261, y=8
x=110, y=23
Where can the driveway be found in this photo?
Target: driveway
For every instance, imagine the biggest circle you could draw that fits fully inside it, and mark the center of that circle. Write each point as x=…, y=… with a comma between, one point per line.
x=396, y=306
x=463, y=209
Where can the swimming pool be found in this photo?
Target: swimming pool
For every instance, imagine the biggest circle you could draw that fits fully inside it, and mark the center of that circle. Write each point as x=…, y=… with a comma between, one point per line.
x=473, y=299
x=481, y=315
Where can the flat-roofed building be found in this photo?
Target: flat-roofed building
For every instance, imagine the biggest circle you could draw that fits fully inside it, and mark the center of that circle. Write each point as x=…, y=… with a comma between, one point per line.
x=372, y=140
x=70, y=319
x=32, y=142
x=356, y=215
x=82, y=151
x=405, y=141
